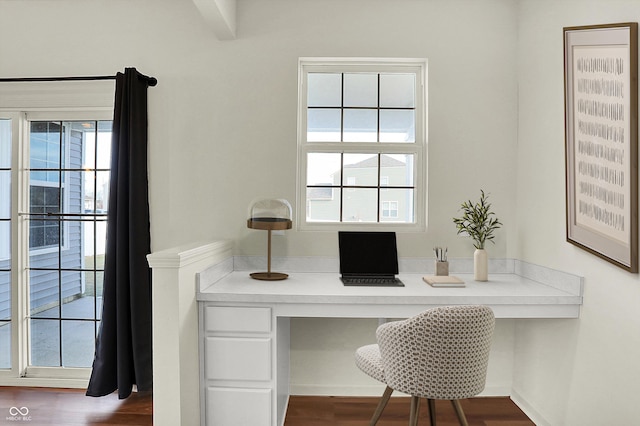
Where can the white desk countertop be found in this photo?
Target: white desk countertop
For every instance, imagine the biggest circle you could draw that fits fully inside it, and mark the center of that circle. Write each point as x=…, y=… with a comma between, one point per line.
x=303, y=294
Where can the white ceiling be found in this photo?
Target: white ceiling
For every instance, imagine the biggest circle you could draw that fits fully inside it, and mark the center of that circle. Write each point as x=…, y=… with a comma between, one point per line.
x=220, y=15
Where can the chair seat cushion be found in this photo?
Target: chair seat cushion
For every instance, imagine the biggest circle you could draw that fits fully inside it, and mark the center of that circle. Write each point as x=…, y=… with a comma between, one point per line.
x=369, y=361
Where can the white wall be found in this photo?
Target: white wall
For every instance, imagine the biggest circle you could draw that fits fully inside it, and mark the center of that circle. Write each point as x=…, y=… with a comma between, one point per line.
x=222, y=120
x=322, y=357
x=223, y=128
x=578, y=372
x=223, y=116
x=470, y=47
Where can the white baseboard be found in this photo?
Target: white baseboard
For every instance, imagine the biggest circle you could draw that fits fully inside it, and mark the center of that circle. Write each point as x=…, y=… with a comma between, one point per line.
x=42, y=382
x=532, y=413
x=496, y=391
x=332, y=390
x=369, y=390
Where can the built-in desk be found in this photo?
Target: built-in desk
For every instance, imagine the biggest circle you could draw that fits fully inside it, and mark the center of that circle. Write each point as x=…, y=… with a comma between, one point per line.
x=244, y=325
x=323, y=295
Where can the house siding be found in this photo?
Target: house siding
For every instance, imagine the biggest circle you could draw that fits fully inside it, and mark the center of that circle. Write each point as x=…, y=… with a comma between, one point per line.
x=47, y=284
x=5, y=290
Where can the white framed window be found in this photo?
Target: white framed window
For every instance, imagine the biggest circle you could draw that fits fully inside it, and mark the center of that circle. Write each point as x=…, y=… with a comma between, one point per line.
x=54, y=170
x=63, y=169
x=362, y=139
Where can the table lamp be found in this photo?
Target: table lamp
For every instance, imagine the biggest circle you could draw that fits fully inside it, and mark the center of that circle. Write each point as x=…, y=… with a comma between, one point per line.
x=270, y=215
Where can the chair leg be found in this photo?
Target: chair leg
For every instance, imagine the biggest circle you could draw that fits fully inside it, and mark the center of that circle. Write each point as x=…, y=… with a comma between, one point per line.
x=432, y=411
x=383, y=403
x=415, y=410
x=461, y=417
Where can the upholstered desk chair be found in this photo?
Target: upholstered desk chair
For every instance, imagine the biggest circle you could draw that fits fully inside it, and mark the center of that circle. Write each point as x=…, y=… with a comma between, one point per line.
x=441, y=353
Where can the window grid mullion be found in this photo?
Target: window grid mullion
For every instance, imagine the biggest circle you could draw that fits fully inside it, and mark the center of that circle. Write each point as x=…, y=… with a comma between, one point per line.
x=63, y=269
x=341, y=117
x=60, y=236
x=378, y=188
x=36, y=169
x=95, y=232
x=378, y=113
x=341, y=184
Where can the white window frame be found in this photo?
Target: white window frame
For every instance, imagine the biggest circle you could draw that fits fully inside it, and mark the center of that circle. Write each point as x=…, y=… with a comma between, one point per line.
x=55, y=101
x=418, y=149
x=57, y=375
x=21, y=368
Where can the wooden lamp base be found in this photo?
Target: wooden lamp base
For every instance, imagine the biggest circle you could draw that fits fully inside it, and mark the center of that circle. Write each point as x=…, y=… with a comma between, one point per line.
x=269, y=276
x=269, y=224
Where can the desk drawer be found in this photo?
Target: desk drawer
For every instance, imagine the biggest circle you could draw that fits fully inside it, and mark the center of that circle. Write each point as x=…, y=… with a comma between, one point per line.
x=232, y=358
x=237, y=319
x=238, y=407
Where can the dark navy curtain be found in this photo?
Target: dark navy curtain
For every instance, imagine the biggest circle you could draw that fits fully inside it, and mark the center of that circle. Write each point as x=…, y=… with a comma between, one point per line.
x=123, y=355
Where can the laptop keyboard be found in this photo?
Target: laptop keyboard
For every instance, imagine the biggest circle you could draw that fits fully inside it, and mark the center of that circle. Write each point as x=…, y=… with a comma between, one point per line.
x=382, y=282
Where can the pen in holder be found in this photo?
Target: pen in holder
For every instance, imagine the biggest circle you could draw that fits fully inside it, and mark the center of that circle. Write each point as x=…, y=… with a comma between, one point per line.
x=441, y=263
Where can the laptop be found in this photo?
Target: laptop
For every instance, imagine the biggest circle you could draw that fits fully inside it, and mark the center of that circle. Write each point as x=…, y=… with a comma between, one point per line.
x=368, y=259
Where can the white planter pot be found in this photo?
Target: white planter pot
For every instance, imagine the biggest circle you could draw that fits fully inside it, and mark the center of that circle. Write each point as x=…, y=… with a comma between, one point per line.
x=480, y=267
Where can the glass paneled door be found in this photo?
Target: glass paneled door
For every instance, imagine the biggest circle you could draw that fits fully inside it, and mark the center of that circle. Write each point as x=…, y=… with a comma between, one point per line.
x=54, y=185
x=68, y=193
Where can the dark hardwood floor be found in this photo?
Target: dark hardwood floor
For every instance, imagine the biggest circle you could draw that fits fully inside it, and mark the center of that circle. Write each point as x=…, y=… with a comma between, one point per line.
x=342, y=411
x=70, y=407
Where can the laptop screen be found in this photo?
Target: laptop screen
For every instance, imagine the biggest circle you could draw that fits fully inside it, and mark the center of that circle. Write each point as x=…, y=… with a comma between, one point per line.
x=368, y=253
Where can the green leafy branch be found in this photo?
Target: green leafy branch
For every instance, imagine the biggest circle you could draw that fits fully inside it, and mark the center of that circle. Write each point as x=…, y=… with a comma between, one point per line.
x=477, y=221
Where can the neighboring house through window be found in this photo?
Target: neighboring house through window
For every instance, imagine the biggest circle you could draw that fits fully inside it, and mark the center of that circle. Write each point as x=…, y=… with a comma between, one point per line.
x=390, y=209
x=47, y=155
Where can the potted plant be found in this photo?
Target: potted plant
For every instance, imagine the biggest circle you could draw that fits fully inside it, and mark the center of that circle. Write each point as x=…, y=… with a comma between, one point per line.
x=479, y=223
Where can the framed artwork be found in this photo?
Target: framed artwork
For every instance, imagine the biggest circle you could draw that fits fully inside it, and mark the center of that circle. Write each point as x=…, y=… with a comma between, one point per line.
x=601, y=140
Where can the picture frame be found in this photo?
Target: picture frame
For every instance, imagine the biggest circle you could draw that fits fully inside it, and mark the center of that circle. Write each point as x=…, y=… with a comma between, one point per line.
x=601, y=140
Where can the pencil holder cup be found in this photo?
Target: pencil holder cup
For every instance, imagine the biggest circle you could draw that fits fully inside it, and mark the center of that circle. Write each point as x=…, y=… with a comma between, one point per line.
x=442, y=268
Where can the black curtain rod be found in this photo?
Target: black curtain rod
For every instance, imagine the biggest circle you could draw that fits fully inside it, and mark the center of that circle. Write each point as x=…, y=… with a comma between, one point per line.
x=150, y=80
